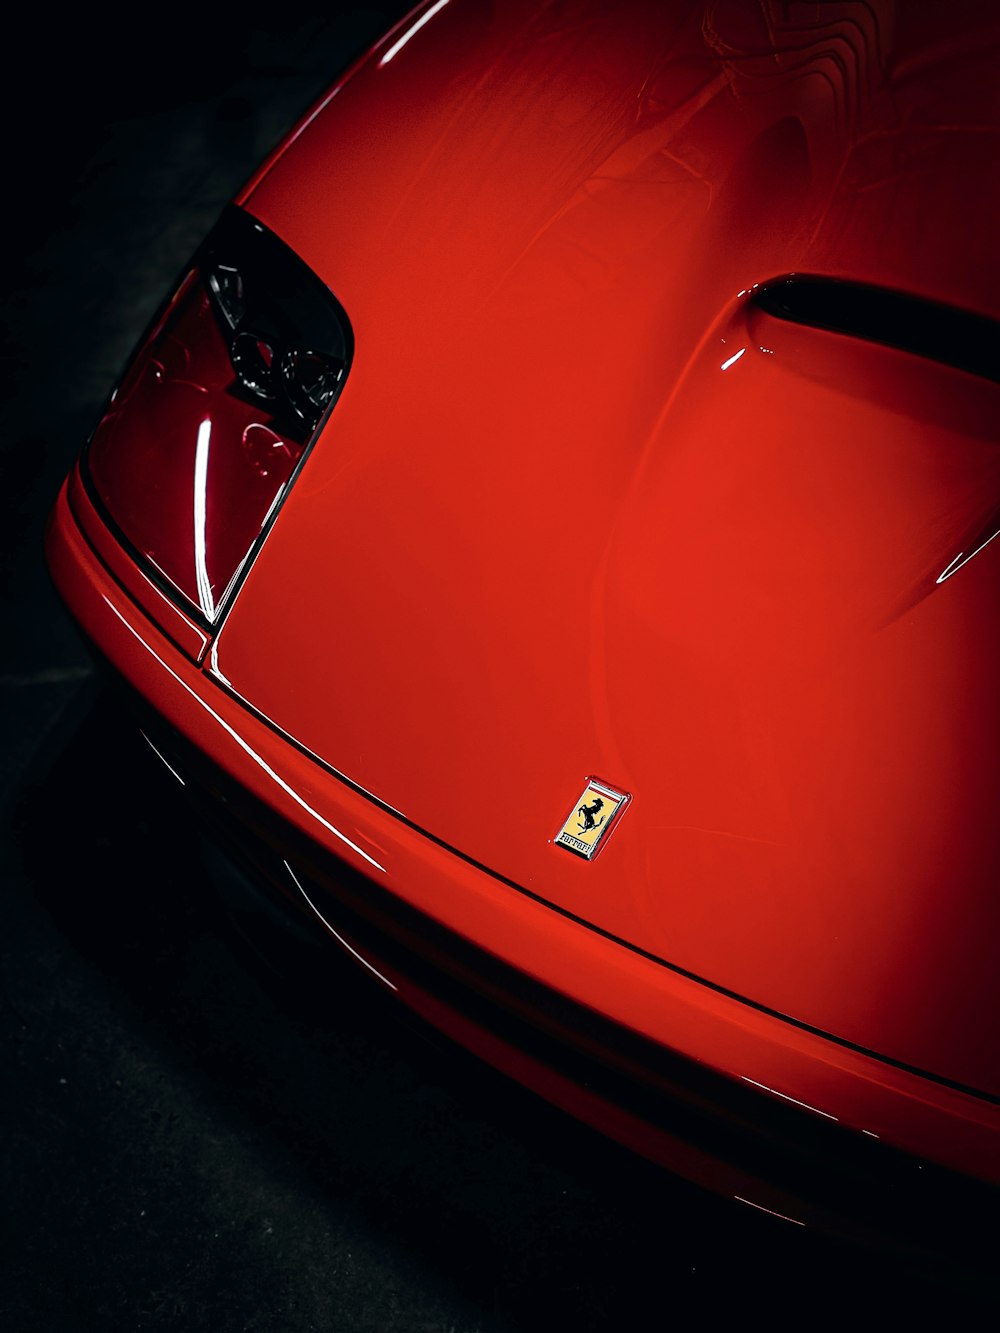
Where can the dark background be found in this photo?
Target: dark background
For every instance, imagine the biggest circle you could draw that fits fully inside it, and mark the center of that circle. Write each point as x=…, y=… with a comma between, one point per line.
x=187, y=1139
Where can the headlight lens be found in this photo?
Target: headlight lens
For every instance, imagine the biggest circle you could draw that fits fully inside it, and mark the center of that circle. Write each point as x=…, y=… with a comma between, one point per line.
x=216, y=411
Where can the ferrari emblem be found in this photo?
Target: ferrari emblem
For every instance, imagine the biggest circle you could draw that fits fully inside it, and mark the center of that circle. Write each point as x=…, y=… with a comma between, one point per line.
x=591, y=819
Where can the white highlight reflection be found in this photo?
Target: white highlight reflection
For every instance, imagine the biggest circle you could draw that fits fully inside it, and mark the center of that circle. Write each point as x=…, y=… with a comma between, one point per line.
x=733, y=359
x=963, y=559
x=159, y=756
x=213, y=664
x=247, y=749
x=775, y=1093
x=339, y=938
x=200, y=518
x=784, y=1216
x=411, y=32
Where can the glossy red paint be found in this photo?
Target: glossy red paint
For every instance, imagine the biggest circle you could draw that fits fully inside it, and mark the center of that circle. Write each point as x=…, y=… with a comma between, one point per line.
x=613, y=518
x=585, y=507
x=864, y=1093
x=133, y=579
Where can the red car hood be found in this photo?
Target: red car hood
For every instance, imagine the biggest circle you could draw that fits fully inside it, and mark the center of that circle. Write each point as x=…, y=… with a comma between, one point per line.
x=585, y=509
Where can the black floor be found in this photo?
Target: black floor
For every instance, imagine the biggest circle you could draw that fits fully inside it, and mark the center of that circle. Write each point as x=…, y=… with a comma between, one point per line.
x=188, y=1140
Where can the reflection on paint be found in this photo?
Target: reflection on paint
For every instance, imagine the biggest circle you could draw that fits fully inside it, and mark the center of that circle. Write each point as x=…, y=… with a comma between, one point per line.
x=760, y=1207
x=775, y=1093
x=339, y=938
x=963, y=559
x=200, y=518
x=165, y=762
x=213, y=665
x=411, y=32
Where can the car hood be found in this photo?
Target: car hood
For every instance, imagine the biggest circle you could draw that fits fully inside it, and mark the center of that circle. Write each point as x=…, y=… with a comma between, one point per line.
x=589, y=508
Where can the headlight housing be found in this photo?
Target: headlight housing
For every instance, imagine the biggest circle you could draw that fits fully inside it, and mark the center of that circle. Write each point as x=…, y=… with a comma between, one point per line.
x=216, y=412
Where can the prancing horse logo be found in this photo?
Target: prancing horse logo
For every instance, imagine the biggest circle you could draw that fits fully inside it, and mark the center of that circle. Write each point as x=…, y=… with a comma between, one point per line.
x=590, y=821
x=588, y=812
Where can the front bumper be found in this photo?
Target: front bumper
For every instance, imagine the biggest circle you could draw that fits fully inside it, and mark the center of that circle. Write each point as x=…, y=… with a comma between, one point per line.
x=732, y=1097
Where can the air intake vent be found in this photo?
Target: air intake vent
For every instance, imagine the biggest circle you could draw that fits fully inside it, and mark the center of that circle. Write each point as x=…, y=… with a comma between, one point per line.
x=925, y=328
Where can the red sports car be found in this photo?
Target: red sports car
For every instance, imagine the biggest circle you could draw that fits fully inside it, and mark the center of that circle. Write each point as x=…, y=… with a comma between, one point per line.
x=550, y=531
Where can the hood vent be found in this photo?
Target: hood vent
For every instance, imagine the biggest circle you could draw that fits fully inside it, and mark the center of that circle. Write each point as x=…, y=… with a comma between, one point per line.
x=938, y=332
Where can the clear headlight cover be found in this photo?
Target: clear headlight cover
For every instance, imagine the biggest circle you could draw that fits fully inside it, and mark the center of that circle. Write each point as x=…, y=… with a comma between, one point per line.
x=216, y=411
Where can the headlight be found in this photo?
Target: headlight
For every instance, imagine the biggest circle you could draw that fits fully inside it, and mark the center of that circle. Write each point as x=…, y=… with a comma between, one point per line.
x=216, y=411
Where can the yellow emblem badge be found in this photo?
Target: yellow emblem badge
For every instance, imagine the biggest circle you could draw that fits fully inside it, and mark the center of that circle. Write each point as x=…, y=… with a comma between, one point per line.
x=591, y=819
